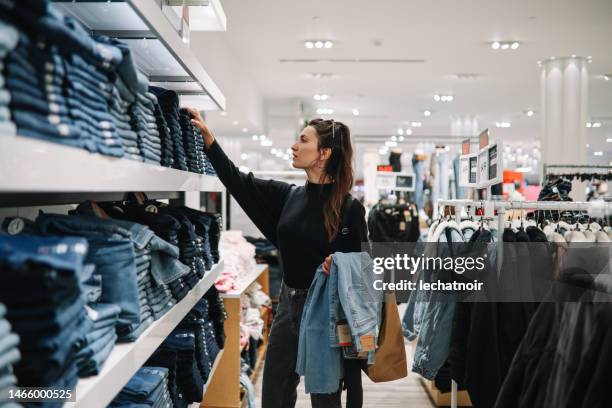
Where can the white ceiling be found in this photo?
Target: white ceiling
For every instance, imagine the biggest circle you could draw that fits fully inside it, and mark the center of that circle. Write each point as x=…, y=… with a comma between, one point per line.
x=450, y=36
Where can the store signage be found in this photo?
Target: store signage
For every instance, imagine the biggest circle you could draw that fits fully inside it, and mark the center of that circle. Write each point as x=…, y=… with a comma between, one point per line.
x=465, y=147
x=483, y=139
x=468, y=170
x=490, y=166
x=384, y=167
x=395, y=181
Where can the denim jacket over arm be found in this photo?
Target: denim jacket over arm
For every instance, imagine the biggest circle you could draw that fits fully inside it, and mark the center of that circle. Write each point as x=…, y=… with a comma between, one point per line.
x=346, y=293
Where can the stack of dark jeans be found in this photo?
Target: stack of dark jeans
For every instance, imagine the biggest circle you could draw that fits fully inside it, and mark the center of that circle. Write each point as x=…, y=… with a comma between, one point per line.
x=157, y=265
x=164, y=226
x=188, y=377
x=60, y=76
x=120, y=111
x=99, y=342
x=147, y=388
x=111, y=250
x=167, y=358
x=169, y=104
x=9, y=355
x=45, y=306
x=167, y=153
x=8, y=40
x=193, y=142
x=143, y=120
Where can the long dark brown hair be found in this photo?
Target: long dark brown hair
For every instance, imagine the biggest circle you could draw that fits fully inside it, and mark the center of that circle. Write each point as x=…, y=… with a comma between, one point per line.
x=339, y=168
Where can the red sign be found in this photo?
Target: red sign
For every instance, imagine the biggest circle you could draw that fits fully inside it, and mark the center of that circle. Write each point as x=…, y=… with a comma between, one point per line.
x=484, y=138
x=465, y=147
x=385, y=168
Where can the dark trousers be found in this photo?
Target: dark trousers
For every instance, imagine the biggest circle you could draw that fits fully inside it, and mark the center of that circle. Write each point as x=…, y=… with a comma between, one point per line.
x=280, y=380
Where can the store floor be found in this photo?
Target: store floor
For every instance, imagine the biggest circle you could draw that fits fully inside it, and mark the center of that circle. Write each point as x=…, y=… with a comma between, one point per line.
x=407, y=392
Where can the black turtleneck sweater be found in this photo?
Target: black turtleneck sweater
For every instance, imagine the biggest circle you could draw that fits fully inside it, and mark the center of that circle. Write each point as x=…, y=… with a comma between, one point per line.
x=291, y=217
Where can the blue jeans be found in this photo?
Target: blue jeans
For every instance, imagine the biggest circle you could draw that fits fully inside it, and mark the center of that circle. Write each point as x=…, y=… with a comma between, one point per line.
x=9, y=36
x=112, y=251
x=141, y=386
x=419, y=195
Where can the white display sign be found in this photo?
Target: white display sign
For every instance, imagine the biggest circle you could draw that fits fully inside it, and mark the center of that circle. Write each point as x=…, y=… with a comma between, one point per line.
x=395, y=181
x=490, y=166
x=468, y=170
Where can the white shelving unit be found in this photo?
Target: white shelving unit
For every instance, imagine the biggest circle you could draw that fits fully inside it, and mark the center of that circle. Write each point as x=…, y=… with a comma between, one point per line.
x=127, y=358
x=145, y=19
x=30, y=165
x=245, y=282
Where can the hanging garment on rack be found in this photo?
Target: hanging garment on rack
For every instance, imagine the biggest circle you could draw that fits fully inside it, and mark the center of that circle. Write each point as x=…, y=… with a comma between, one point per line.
x=436, y=307
x=393, y=223
x=440, y=169
x=418, y=166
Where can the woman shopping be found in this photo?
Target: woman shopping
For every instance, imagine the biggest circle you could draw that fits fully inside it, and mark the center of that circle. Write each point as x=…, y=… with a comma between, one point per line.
x=307, y=224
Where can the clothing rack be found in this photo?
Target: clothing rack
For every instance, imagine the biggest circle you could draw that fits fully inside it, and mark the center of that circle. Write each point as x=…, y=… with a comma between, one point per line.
x=593, y=208
x=547, y=167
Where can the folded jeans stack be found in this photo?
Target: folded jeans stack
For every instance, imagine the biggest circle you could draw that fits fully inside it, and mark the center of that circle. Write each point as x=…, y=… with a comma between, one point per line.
x=8, y=41
x=189, y=379
x=60, y=77
x=111, y=250
x=120, y=109
x=148, y=388
x=167, y=358
x=193, y=142
x=9, y=355
x=143, y=120
x=169, y=104
x=99, y=342
x=45, y=306
x=157, y=265
x=167, y=142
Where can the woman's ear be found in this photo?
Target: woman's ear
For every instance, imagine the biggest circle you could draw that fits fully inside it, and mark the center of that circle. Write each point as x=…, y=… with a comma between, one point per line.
x=325, y=153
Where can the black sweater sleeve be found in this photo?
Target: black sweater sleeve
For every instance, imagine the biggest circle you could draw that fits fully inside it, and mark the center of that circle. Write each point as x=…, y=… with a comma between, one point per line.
x=262, y=200
x=358, y=229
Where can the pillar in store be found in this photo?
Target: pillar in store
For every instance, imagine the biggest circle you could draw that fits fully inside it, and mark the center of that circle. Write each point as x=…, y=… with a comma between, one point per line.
x=564, y=107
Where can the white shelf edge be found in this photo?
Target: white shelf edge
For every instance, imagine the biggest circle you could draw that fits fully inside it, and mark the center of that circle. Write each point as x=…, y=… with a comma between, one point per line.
x=212, y=372
x=31, y=165
x=245, y=282
x=127, y=358
x=154, y=17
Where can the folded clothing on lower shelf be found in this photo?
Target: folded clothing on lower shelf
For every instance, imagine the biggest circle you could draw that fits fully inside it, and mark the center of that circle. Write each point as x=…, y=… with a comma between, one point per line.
x=148, y=388
x=187, y=355
x=45, y=307
x=9, y=356
x=239, y=260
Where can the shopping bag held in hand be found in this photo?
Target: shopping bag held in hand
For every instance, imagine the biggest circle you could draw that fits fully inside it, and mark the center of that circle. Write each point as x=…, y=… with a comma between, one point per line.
x=390, y=361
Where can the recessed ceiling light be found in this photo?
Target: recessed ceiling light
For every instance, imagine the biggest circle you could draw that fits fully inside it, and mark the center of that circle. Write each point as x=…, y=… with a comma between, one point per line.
x=416, y=124
x=309, y=44
x=391, y=144
x=408, y=132
x=401, y=138
x=319, y=44
x=609, y=140
x=394, y=138
x=514, y=45
x=505, y=46
x=223, y=113
x=244, y=156
x=495, y=45
x=254, y=137
x=427, y=112
x=437, y=98
x=356, y=112
x=443, y=98
x=325, y=111
x=262, y=137
x=596, y=124
x=587, y=145
x=529, y=113
x=606, y=77
x=245, y=130
x=266, y=143
x=273, y=150
x=502, y=124
x=400, y=131
x=235, y=123
x=598, y=153
x=328, y=44
x=589, y=124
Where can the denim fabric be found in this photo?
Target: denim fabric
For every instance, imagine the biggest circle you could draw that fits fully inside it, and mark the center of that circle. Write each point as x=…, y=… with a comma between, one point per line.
x=141, y=387
x=9, y=36
x=314, y=341
x=94, y=346
x=460, y=192
x=102, y=313
x=188, y=376
x=437, y=313
x=71, y=35
x=127, y=68
x=95, y=363
x=49, y=126
x=352, y=296
x=111, y=250
x=419, y=195
x=169, y=104
x=440, y=180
